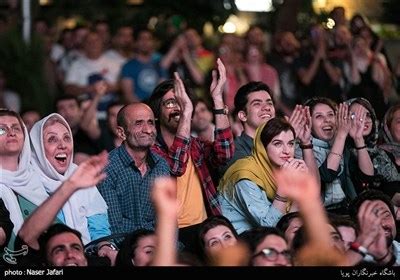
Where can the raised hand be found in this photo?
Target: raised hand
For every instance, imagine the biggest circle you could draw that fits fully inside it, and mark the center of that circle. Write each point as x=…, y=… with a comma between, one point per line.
x=164, y=196
x=218, y=81
x=297, y=185
x=181, y=96
x=297, y=119
x=343, y=119
x=304, y=134
x=90, y=172
x=357, y=123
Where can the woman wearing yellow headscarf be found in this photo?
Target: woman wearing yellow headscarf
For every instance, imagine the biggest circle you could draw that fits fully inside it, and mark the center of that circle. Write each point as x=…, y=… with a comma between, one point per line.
x=248, y=195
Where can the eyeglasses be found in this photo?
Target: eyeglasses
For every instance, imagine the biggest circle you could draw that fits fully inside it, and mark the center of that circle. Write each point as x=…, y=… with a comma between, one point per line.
x=170, y=103
x=272, y=254
x=6, y=129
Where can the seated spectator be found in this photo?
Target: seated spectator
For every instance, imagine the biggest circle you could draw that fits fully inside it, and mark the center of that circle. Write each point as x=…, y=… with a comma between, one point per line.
x=248, y=195
x=268, y=247
x=137, y=249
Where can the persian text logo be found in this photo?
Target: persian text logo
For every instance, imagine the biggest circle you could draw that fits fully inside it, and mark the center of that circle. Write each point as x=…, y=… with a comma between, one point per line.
x=9, y=255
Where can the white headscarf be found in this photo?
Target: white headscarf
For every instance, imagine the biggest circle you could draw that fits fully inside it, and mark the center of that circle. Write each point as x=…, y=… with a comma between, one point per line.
x=24, y=181
x=83, y=203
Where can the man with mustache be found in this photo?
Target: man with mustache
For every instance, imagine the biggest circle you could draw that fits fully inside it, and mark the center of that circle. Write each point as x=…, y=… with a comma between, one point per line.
x=189, y=158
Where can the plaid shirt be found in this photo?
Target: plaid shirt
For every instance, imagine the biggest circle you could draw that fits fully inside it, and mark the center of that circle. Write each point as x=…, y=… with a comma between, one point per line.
x=127, y=192
x=202, y=153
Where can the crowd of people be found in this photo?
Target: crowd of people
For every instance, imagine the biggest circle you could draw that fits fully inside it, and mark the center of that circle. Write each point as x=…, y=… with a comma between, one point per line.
x=195, y=157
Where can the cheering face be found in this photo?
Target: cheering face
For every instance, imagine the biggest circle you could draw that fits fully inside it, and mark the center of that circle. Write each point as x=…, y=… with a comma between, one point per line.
x=323, y=122
x=170, y=111
x=11, y=136
x=281, y=148
x=259, y=109
x=58, y=146
x=65, y=249
x=368, y=120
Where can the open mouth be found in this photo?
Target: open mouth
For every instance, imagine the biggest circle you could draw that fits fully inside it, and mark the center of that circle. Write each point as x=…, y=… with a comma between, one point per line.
x=266, y=116
x=175, y=116
x=327, y=129
x=62, y=158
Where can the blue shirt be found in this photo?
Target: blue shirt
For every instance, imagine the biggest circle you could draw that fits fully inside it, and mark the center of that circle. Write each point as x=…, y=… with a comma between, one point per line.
x=127, y=192
x=145, y=76
x=249, y=207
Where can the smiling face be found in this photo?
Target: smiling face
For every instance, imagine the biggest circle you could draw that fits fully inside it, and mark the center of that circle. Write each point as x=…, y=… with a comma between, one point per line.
x=170, y=115
x=368, y=120
x=140, y=132
x=65, y=249
x=281, y=148
x=259, y=109
x=143, y=253
x=323, y=122
x=58, y=146
x=218, y=238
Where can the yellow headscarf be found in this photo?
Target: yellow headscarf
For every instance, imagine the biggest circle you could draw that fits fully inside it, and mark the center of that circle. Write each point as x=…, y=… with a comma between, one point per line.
x=256, y=168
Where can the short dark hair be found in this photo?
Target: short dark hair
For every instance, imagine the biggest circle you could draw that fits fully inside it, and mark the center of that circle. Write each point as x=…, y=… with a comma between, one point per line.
x=66, y=97
x=52, y=231
x=241, y=96
x=273, y=128
x=312, y=102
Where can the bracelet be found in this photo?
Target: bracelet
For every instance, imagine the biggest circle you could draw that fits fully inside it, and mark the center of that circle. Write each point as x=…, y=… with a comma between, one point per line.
x=110, y=245
x=307, y=146
x=280, y=198
x=336, y=154
x=362, y=147
x=356, y=247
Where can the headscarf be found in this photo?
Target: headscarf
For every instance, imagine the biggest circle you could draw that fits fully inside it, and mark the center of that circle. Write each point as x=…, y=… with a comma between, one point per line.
x=257, y=168
x=83, y=203
x=24, y=181
x=389, y=145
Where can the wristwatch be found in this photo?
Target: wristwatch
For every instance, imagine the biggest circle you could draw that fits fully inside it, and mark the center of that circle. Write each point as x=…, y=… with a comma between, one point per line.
x=223, y=111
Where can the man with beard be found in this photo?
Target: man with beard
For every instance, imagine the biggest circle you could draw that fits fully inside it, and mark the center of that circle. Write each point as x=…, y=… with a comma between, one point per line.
x=375, y=216
x=189, y=158
x=132, y=170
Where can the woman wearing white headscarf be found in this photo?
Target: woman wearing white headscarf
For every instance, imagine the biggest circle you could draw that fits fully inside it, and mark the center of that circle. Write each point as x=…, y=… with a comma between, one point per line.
x=52, y=148
x=20, y=188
